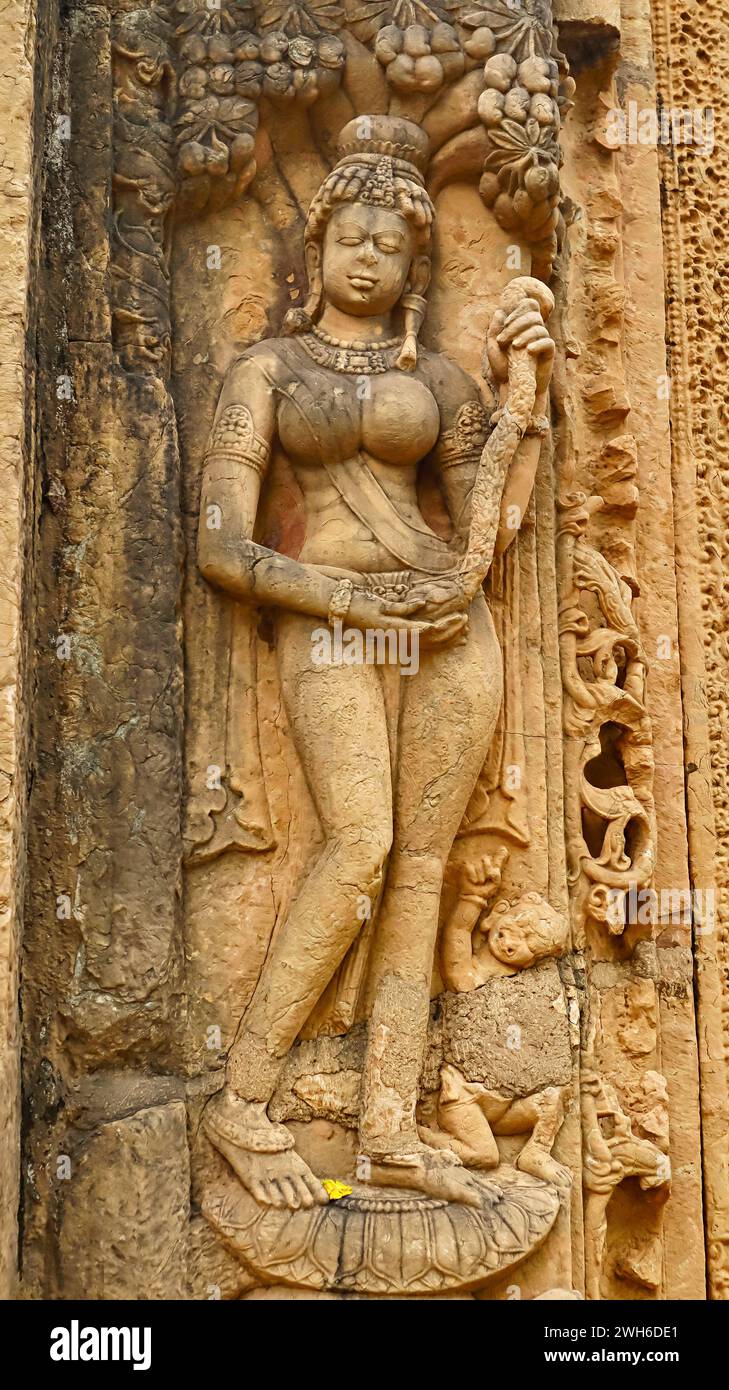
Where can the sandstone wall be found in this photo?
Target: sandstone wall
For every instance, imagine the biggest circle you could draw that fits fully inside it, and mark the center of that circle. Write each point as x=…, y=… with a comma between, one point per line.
x=19, y=187
x=144, y=929
x=690, y=46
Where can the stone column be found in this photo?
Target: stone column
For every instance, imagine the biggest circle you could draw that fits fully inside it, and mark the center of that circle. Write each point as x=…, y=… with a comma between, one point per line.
x=17, y=377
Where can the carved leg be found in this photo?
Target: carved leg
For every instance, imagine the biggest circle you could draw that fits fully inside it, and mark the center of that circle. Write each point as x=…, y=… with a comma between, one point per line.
x=438, y=1139
x=543, y=1114
x=447, y=718
x=596, y=1205
x=338, y=723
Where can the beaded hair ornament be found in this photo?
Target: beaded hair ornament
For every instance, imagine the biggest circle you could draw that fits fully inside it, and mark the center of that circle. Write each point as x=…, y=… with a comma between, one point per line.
x=382, y=162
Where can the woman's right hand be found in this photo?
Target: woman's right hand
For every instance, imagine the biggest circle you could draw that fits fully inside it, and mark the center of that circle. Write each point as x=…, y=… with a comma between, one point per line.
x=451, y=630
x=366, y=611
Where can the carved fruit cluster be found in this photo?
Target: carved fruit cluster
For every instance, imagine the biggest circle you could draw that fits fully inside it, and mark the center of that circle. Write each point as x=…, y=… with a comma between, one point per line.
x=518, y=107
x=217, y=116
x=525, y=92
x=301, y=68
x=228, y=66
x=420, y=59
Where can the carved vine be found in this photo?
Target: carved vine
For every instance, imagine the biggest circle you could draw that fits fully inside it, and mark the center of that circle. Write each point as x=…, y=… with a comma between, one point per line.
x=144, y=184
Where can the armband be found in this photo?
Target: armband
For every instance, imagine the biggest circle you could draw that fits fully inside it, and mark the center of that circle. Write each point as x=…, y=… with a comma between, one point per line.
x=234, y=440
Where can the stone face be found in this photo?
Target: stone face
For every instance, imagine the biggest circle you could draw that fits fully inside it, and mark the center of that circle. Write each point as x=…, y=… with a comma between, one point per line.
x=361, y=766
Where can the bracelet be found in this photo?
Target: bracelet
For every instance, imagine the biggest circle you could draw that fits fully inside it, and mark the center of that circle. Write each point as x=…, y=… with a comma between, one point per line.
x=539, y=424
x=340, y=601
x=505, y=413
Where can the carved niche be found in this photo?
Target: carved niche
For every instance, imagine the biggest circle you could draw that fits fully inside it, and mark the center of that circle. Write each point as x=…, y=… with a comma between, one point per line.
x=333, y=235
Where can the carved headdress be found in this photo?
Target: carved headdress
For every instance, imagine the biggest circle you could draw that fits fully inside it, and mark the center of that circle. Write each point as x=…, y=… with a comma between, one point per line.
x=382, y=163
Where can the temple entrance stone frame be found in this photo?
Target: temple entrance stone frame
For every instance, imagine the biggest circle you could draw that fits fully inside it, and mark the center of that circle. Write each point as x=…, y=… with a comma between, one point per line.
x=363, y=741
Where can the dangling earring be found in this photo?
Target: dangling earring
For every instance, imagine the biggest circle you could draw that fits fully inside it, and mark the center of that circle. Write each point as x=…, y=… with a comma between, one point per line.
x=302, y=320
x=414, y=306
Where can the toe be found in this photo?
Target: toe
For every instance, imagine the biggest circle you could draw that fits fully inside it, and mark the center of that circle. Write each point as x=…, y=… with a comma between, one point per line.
x=317, y=1191
x=467, y=1192
x=291, y=1192
x=471, y=1197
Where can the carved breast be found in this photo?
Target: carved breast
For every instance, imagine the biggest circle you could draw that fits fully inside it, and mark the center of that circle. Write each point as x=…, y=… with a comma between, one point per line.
x=397, y=422
x=400, y=420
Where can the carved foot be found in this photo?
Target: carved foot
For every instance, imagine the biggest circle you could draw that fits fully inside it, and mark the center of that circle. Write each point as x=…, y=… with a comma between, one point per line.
x=261, y=1154
x=280, y=1180
x=539, y=1164
x=432, y=1172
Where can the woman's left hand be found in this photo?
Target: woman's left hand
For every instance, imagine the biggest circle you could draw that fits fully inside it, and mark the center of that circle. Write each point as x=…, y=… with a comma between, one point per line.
x=524, y=327
x=431, y=599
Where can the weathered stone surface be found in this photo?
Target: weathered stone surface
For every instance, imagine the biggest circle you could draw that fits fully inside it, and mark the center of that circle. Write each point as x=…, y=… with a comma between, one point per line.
x=18, y=187
x=588, y=30
x=690, y=48
x=124, y=1210
x=367, y=333
x=512, y=1034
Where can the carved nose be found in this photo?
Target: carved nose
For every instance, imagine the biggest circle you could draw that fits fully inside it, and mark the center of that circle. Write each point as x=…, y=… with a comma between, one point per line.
x=367, y=254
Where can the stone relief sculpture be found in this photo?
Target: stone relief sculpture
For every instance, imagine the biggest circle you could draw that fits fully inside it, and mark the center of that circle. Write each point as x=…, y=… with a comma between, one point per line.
x=514, y=935
x=620, y=1146
x=467, y=1116
x=611, y=843
x=357, y=405
x=352, y=999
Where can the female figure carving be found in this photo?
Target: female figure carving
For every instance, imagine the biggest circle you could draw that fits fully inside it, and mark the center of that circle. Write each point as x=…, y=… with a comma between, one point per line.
x=358, y=407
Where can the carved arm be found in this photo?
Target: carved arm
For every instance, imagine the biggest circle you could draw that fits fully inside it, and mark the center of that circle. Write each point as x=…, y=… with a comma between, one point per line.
x=520, y=353
x=236, y=460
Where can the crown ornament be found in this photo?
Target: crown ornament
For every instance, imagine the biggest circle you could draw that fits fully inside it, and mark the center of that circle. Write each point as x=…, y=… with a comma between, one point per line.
x=392, y=138
x=379, y=189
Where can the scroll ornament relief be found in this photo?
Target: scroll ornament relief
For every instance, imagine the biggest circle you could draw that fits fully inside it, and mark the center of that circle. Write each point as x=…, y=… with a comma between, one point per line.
x=608, y=730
